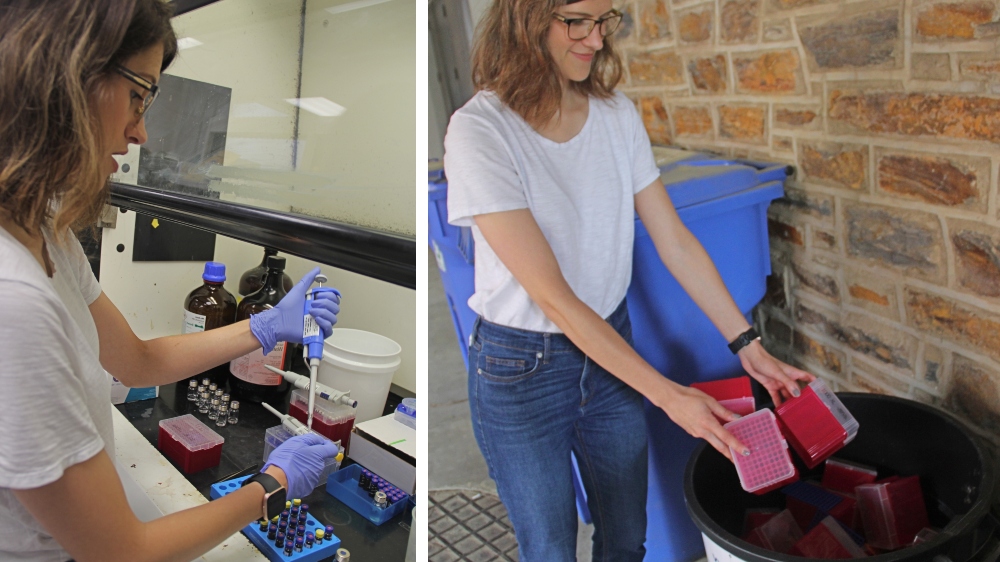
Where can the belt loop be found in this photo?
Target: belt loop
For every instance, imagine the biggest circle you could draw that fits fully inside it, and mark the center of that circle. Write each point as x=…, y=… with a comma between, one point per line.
x=546, y=349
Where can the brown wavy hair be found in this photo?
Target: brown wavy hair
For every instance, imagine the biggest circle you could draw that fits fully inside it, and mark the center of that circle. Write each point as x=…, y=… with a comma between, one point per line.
x=511, y=59
x=55, y=58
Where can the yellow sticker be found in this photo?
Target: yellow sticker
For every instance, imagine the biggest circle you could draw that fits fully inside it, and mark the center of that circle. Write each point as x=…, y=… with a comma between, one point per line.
x=156, y=223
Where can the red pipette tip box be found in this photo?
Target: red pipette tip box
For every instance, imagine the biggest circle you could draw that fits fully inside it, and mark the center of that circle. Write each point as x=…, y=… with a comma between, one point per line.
x=842, y=476
x=190, y=443
x=811, y=426
x=733, y=394
x=778, y=534
x=892, y=512
x=768, y=466
x=827, y=541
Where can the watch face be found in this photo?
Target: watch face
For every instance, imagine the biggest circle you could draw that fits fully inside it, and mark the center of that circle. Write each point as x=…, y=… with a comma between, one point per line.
x=275, y=503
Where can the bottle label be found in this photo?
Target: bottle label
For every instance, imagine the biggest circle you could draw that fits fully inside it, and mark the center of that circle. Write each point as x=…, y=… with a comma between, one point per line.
x=251, y=367
x=193, y=323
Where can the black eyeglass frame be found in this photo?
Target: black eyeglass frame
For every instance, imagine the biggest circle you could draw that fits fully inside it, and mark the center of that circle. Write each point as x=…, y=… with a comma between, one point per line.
x=154, y=90
x=598, y=23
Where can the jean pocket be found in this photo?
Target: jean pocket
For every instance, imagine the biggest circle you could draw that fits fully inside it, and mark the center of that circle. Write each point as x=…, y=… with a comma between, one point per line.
x=506, y=364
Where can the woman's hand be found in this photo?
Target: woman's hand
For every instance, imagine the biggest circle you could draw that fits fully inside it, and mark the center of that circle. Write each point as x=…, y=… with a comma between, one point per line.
x=284, y=321
x=779, y=378
x=695, y=412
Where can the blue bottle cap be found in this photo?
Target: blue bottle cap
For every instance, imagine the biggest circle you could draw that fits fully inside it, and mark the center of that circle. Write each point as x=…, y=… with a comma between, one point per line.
x=214, y=272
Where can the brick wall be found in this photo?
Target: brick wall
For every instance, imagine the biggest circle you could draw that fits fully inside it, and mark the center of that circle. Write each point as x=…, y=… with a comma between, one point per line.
x=886, y=248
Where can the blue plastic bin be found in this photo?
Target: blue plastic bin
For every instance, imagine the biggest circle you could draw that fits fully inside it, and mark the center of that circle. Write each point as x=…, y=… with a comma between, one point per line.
x=454, y=253
x=724, y=204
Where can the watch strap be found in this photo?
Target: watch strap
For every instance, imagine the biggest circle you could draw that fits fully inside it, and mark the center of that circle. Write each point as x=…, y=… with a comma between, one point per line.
x=744, y=340
x=274, y=493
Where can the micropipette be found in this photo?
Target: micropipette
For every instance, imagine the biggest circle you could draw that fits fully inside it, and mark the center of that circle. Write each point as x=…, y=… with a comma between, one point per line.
x=288, y=422
x=295, y=427
x=323, y=391
x=312, y=340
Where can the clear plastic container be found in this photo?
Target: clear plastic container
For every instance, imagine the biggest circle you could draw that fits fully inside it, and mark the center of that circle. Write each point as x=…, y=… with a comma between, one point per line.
x=811, y=427
x=275, y=436
x=892, y=512
x=333, y=421
x=406, y=412
x=190, y=443
x=837, y=408
x=768, y=466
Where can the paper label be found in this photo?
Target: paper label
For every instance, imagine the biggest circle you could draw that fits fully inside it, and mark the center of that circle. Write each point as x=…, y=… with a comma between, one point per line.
x=251, y=367
x=310, y=328
x=193, y=322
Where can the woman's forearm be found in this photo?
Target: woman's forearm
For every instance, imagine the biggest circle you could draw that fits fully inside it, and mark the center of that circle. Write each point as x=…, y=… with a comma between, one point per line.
x=172, y=358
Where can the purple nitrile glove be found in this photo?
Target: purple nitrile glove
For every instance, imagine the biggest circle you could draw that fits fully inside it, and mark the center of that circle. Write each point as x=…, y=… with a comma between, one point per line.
x=284, y=321
x=302, y=458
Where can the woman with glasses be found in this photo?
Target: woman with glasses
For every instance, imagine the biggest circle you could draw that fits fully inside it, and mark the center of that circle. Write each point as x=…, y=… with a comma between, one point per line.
x=76, y=78
x=548, y=165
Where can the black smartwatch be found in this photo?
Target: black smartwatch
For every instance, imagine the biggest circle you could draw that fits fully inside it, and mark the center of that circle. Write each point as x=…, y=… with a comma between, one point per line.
x=274, y=493
x=744, y=340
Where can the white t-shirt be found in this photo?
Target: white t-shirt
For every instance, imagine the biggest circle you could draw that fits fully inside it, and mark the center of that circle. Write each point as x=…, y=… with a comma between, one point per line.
x=580, y=192
x=55, y=407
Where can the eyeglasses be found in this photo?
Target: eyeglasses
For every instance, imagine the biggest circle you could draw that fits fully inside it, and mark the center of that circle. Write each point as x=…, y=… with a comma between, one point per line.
x=154, y=90
x=579, y=29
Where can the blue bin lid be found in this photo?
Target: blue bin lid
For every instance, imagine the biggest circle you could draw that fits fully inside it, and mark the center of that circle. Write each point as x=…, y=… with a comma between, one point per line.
x=696, y=177
x=435, y=175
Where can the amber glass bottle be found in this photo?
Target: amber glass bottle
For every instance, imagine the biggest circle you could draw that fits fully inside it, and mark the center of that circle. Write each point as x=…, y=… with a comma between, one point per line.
x=207, y=307
x=253, y=279
x=249, y=379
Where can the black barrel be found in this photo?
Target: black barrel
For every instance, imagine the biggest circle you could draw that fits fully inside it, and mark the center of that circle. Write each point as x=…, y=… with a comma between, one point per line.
x=896, y=436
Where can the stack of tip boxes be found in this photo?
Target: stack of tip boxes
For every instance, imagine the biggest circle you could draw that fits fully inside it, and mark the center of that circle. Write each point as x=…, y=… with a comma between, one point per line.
x=333, y=421
x=734, y=394
x=190, y=443
x=322, y=551
x=816, y=423
x=768, y=466
x=345, y=486
x=275, y=436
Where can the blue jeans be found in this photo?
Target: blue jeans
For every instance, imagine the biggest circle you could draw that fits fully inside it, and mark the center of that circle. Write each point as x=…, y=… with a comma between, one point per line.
x=534, y=398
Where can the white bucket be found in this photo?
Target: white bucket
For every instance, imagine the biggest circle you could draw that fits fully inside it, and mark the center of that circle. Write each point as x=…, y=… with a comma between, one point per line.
x=363, y=363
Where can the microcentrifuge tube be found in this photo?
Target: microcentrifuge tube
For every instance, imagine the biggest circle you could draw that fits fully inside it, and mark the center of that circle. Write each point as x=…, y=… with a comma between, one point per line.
x=223, y=417
x=192, y=395
x=203, y=403
x=234, y=412
x=213, y=411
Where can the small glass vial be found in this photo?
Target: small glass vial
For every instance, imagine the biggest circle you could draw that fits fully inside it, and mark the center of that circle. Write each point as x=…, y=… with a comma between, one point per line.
x=223, y=417
x=219, y=393
x=234, y=412
x=343, y=555
x=205, y=382
x=192, y=395
x=203, y=403
x=213, y=412
x=212, y=387
x=225, y=398
x=381, y=501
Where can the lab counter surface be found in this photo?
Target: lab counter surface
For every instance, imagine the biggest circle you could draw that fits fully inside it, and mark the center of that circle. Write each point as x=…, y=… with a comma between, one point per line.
x=172, y=490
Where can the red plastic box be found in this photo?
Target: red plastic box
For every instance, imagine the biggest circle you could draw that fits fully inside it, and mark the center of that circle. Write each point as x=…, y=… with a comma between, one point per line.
x=827, y=541
x=190, y=443
x=733, y=394
x=842, y=476
x=892, y=512
x=811, y=428
x=768, y=466
x=778, y=534
x=333, y=421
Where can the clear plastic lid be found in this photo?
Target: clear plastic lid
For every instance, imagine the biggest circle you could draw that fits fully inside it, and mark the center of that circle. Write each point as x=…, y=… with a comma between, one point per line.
x=190, y=432
x=768, y=462
x=408, y=407
x=325, y=410
x=837, y=408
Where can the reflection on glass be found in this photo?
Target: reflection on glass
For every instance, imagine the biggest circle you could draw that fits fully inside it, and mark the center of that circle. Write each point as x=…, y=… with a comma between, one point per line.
x=311, y=113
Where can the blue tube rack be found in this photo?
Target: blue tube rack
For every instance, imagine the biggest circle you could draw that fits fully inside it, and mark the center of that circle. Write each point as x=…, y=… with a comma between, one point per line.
x=343, y=485
x=259, y=538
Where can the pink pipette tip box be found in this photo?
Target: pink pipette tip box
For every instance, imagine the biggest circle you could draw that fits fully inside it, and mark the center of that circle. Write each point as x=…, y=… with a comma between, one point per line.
x=733, y=394
x=892, y=512
x=768, y=466
x=816, y=423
